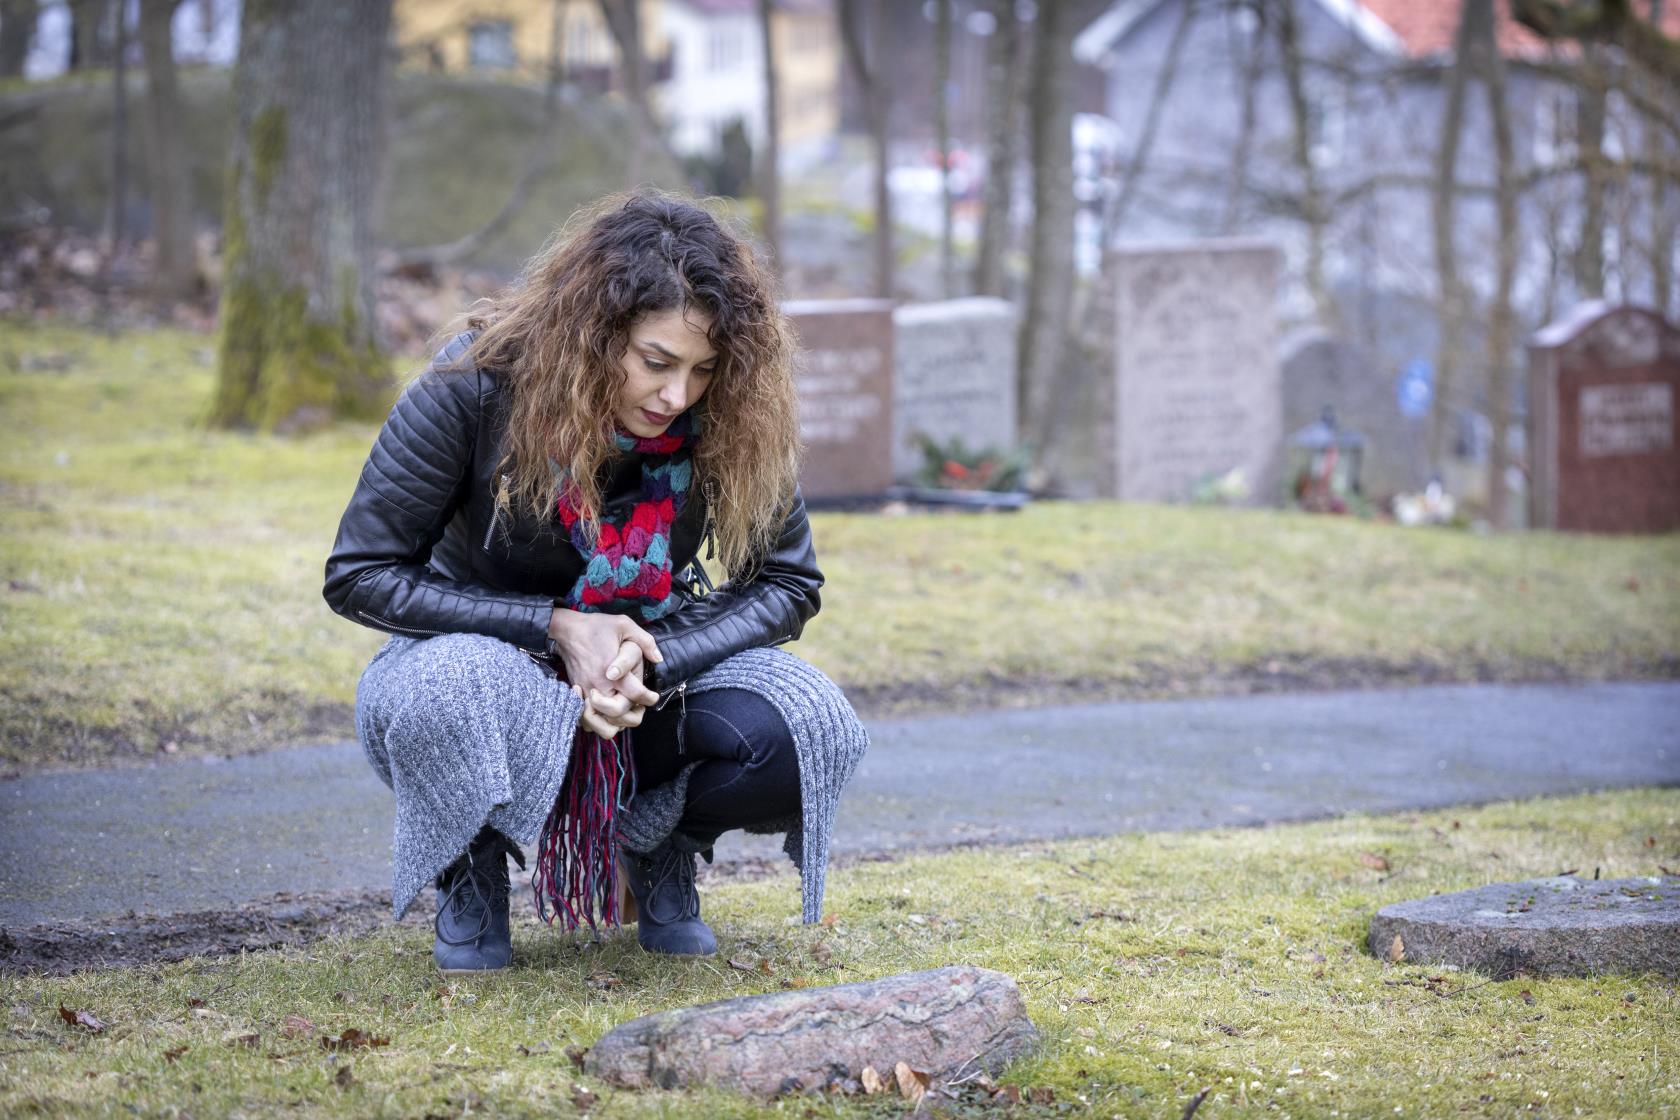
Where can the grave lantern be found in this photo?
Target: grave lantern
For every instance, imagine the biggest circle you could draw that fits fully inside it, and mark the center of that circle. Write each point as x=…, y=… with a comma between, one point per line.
x=1324, y=462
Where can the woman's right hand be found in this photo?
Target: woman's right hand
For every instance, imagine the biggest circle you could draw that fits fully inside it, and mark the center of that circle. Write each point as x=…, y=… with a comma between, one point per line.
x=603, y=655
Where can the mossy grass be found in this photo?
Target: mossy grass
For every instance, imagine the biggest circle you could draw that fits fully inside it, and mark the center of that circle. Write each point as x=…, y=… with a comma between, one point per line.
x=1155, y=966
x=163, y=582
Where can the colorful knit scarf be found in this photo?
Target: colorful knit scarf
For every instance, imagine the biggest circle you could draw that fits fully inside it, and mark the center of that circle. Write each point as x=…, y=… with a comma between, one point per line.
x=627, y=570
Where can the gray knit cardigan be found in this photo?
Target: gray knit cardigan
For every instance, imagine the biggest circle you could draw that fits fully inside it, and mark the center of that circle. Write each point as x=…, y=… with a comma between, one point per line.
x=468, y=730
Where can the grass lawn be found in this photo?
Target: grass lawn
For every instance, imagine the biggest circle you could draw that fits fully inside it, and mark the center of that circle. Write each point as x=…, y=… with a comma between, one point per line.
x=1155, y=966
x=163, y=583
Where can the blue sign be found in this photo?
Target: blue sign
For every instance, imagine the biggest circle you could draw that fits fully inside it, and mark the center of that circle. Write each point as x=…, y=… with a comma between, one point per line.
x=1415, y=388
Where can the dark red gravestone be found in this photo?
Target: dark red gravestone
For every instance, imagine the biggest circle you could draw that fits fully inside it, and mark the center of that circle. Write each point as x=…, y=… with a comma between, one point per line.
x=1603, y=384
x=844, y=374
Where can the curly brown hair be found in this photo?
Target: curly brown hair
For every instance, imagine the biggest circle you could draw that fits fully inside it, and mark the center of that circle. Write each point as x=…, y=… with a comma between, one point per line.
x=558, y=334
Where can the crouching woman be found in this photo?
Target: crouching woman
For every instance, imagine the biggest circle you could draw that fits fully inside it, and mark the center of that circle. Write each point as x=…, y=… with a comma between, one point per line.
x=527, y=528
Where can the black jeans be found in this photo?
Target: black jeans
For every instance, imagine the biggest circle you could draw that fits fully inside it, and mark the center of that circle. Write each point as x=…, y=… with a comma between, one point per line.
x=749, y=774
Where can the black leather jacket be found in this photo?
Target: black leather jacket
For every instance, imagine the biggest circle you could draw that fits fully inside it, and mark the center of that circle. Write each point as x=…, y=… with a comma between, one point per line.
x=422, y=548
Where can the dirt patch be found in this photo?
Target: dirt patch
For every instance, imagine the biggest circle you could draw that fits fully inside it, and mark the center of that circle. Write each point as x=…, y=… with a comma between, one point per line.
x=282, y=920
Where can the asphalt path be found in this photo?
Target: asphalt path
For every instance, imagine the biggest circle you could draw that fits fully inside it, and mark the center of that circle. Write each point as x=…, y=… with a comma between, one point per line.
x=220, y=832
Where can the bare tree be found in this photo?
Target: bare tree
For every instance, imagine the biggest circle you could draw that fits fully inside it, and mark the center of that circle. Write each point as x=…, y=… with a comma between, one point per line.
x=1502, y=320
x=90, y=34
x=1247, y=86
x=1606, y=21
x=1314, y=212
x=1006, y=70
x=299, y=338
x=1591, y=95
x=18, y=19
x=116, y=212
x=623, y=18
x=770, y=170
x=1044, y=324
x=166, y=157
x=942, y=135
x=870, y=70
x=1443, y=204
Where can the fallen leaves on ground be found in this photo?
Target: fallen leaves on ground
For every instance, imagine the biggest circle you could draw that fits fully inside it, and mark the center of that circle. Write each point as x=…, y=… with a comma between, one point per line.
x=241, y=1037
x=526, y=1051
x=746, y=964
x=1373, y=861
x=352, y=1039
x=582, y=1099
x=173, y=1054
x=871, y=1080
x=912, y=1083
x=83, y=1019
x=603, y=981
x=296, y=1026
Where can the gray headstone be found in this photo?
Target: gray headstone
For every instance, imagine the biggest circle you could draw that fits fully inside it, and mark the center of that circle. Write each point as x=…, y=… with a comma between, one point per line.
x=953, y=375
x=1320, y=370
x=1562, y=926
x=944, y=1022
x=1196, y=368
x=843, y=374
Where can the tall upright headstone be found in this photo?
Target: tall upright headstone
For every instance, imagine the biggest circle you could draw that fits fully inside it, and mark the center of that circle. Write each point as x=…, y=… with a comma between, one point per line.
x=844, y=374
x=1196, y=376
x=1603, y=384
x=953, y=377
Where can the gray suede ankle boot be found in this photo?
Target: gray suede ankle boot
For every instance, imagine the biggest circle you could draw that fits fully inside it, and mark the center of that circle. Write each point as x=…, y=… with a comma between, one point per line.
x=472, y=915
x=664, y=903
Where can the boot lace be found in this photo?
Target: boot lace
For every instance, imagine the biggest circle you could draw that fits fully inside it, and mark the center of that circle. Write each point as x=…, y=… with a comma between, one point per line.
x=672, y=866
x=478, y=879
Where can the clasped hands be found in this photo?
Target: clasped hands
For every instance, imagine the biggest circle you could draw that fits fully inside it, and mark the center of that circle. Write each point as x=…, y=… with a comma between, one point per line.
x=604, y=655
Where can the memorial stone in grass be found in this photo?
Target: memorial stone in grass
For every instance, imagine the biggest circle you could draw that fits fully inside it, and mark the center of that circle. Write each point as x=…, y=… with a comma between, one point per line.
x=843, y=374
x=1561, y=926
x=1604, y=431
x=1196, y=375
x=954, y=375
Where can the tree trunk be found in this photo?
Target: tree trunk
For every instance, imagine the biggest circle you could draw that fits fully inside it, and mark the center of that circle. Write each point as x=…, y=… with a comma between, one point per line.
x=90, y=34
x=166, y=157
x=872, y=81
x=624, y=20
x=942, y=134
x=1591, y=96
x=770, y=167
x=1006, y=72
x=1443, y=200
x=1502, y=316
x=1044, y=325
x=17, y=30
x=299, y=338
x=1313, y=210
x=116, y=213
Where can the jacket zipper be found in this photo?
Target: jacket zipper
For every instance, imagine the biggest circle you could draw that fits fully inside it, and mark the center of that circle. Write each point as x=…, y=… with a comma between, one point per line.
x=681, y=693
x=387, y=624
x=495, y=513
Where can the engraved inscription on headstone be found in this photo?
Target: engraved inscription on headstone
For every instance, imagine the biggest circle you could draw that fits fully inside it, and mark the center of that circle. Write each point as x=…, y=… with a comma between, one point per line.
x=1605, y=453
x=843, y=374
x=1197, y=386
x=953, y=376
x=1626, y=419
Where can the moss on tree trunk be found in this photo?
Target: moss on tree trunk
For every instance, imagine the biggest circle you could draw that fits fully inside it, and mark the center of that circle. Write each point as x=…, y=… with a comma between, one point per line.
x=299, y=343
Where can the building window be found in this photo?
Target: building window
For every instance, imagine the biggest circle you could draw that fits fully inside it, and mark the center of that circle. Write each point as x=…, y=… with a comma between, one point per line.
x=724, y=49
x=490, y=45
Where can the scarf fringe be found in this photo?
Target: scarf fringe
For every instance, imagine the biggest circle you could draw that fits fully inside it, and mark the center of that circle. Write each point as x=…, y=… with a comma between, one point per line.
x=576, y=877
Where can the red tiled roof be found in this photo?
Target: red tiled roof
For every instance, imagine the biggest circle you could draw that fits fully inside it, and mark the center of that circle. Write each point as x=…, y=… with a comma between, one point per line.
x=1427, y=27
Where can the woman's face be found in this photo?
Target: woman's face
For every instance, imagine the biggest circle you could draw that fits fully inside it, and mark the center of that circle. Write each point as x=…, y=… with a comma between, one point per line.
x=667, y=366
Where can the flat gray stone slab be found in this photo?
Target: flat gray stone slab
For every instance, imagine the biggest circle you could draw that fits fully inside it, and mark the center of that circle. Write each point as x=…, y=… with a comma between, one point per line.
x=1562, y=926
x=942, y=1023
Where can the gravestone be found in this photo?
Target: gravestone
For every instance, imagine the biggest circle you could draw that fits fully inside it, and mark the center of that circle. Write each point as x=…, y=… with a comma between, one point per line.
x=843, y=373
x=953, y=376
x=1320, y=369
x=1605, y=453
x=944, y=1022
x=1196, y=378
x=1562, y=926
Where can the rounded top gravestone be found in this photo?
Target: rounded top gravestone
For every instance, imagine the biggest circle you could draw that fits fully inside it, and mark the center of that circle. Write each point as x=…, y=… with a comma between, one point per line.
x=1561, y=926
